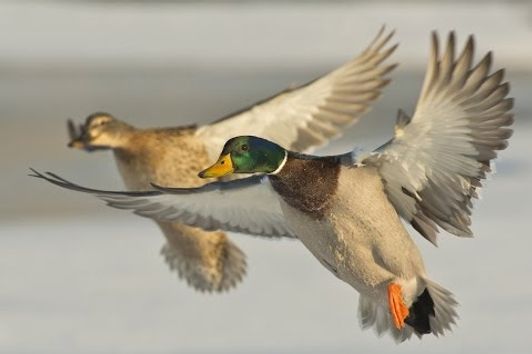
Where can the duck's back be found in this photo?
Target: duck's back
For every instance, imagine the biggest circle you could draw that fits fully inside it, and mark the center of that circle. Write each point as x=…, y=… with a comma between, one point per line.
x=167, y=157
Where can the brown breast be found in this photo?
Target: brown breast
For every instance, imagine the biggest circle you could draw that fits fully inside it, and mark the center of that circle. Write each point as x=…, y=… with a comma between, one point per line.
x=308, y=184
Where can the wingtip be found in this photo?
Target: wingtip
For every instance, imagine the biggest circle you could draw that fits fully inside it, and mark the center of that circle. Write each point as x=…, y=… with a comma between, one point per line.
x=486, y=61
x=380, y=40
x=435, y=47
x=501, y=73
x=393, y=48
x=34, y=173
x=451, y=43
x=389, y=69
x=435, y=38
x=452, y=36
x=381, y=30
x=390, y=34
x=470, y=43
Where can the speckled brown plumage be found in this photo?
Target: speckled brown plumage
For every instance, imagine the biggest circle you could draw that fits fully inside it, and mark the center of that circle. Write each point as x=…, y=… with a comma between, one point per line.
x=166, y=157
x=207, y=261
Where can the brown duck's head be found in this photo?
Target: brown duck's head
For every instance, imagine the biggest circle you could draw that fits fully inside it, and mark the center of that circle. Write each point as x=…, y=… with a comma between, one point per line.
x=101, y=131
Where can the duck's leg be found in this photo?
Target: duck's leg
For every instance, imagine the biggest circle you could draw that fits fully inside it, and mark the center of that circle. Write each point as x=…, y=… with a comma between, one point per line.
x=398, y=309
x=362, y=265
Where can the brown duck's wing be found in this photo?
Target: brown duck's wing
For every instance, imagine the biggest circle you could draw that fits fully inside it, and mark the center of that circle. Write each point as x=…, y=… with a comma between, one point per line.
x=312, y=114
x=207, y=260
x=434, y=165
x=247, y=205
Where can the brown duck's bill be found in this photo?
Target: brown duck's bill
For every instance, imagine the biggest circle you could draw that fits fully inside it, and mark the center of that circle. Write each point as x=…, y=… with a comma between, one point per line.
x=78, y=137
x=77, y=144
x=72, y=132
x=222, y=167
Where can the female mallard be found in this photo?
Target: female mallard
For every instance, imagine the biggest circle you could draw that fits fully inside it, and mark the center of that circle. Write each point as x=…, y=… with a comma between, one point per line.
x=346, y=209
x=299, y=118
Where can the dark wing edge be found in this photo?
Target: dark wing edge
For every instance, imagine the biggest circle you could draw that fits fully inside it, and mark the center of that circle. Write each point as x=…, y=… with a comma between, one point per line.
x=63, y=183
x=141, y=204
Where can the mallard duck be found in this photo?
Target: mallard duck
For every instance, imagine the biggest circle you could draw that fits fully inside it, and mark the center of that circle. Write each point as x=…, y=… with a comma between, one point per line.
x=346, y=209
x=299, y=118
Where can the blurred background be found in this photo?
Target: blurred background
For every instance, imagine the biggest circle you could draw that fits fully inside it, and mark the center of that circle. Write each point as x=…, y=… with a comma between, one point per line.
x=78, y=277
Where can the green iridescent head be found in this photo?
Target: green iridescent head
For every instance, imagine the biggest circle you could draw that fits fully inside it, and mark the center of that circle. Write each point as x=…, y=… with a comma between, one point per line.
x=247, y=154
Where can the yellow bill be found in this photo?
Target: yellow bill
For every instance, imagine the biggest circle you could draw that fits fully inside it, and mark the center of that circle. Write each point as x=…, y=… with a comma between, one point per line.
x=222, y=167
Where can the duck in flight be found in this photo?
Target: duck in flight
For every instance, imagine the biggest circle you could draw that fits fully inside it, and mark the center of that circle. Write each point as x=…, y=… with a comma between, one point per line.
x=346, y=209
x=298, y=118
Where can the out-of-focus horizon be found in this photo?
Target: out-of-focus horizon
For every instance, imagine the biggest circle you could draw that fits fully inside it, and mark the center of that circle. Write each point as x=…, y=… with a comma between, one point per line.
x=81, y=277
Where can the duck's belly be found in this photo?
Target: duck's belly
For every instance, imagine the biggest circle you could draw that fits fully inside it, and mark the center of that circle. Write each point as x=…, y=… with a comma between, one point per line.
x=360, y=237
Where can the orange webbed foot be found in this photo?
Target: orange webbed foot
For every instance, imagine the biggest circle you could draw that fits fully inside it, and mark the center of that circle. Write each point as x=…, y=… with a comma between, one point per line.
x=398, y=309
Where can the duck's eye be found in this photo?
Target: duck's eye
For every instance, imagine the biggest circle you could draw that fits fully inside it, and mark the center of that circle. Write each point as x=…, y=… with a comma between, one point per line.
x=244, y=147
x=222, y=162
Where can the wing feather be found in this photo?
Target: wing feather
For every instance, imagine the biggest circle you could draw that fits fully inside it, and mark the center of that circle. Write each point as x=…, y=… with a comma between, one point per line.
x=434, y=165
x=310, y=115
x=248, y=205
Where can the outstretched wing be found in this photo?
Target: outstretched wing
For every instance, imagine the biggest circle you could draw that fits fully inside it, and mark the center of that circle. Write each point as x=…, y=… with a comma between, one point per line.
x=310, y=115
x=434, y=165
x=248, y=205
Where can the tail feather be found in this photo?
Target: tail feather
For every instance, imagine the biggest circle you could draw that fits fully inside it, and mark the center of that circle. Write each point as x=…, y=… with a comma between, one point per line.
x=420, y=312
x=433, y=311
x=376, y=315
x=444, y=308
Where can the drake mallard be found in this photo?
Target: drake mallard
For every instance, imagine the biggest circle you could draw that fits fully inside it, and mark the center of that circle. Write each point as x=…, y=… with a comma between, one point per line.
x=299, y=118
x=346, y=209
